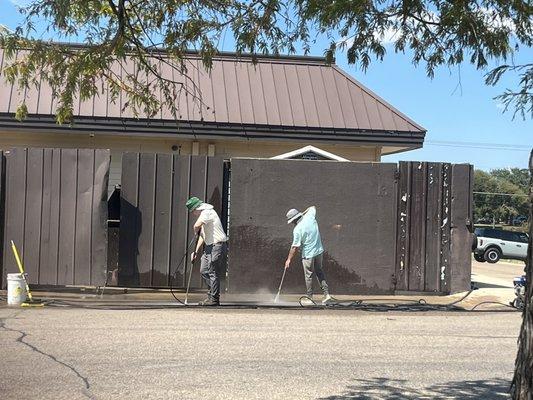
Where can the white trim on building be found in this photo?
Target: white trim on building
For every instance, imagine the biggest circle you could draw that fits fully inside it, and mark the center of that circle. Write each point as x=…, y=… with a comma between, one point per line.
x=307, y=149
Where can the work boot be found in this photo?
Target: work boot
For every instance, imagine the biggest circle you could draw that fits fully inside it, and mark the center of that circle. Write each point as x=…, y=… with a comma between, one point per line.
x=327, y=299
x=209, y=303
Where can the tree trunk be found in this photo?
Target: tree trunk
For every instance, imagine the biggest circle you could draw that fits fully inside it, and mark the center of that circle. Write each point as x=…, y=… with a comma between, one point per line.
x=522, y=385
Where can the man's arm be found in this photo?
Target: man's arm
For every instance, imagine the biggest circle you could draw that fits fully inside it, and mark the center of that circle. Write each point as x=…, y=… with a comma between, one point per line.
x=296, y=243
x=310, y=210
x=198, y=247
x=197, y=227
x=292, y=252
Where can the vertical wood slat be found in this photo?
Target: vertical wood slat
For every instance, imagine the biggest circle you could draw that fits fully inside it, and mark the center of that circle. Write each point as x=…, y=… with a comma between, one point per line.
x=67, y=220
x=461, y=239
x=145, y=227
x=32, y=223
x=129, y=219
x=445, y=222
x=434, y=201
x=197, y=187
x=162, y=220
x=15, y=206
x=84, y=200
x=403, y=217
x=214, y=185
x=417, y=227
x=102, y=161
x=180, y=219
x=47, y=275
x=55, y=217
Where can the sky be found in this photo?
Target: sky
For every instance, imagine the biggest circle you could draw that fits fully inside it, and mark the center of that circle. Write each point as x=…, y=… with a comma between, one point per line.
x=464, y=123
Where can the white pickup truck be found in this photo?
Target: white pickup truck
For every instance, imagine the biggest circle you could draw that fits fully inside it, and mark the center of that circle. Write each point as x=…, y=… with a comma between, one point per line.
x=494, y=244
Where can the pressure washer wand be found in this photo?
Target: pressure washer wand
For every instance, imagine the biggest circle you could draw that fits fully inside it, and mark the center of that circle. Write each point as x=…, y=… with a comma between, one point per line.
x=276, y=299
x=192, y=267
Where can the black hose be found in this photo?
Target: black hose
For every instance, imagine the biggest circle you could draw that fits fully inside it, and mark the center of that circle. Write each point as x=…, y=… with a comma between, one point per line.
x=194, y=241
x=411, y=305
x=493, y=302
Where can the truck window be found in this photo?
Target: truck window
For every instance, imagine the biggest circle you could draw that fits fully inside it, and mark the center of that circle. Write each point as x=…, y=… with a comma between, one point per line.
x=522, y=237
x=509, y=236
x=493, y=233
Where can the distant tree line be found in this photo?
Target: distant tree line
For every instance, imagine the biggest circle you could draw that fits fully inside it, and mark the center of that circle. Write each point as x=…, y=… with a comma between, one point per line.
x=500, y=195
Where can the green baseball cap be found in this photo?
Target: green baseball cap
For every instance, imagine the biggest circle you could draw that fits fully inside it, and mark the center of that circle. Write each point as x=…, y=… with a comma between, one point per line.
x=193, y=203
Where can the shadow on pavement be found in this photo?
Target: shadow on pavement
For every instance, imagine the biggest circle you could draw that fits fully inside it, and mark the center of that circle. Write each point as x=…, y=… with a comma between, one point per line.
x=384, y=388
x=482, y=285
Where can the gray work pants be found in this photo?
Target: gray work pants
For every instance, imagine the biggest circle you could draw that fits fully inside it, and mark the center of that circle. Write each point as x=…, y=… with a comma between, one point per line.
x=314, y=265
x=211, y=265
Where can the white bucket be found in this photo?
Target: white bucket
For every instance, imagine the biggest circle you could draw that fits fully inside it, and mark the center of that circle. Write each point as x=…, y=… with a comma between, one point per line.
x=16, y=289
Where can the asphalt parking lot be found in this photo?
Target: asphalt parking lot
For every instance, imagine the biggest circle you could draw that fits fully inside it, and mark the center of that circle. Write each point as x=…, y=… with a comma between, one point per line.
x=66, y=353
x=73, y=353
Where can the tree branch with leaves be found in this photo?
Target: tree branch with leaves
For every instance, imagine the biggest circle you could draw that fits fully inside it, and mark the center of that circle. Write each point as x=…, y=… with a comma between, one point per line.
x=153, y=33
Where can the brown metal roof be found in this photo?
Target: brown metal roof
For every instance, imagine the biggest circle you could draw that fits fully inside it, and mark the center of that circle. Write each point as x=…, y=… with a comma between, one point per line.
x=291, y=92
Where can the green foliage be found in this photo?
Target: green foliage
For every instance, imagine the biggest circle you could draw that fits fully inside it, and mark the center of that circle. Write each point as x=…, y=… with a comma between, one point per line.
x=521, y=100
x=159, y=34
x=503, y=208
x=154, y=34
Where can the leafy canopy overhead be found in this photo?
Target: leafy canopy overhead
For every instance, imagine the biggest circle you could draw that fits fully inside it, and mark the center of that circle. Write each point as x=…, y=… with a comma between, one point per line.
x=156, y=33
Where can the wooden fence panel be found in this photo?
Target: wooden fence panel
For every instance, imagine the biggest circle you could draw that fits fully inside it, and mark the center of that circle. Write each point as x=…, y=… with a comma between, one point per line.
x=356, y=211
x=433, y=200
x=461, y=217
x=155, y=188
x=56, y=208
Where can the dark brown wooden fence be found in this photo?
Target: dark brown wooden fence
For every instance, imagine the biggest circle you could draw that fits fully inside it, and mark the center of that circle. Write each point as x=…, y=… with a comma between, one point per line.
x=356, y=211
x=155, y=227
x=434, y=215
x=386, y=229
x=56, y=213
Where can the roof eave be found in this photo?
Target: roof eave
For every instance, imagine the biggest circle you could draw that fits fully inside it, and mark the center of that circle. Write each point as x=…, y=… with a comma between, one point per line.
x=206, y=130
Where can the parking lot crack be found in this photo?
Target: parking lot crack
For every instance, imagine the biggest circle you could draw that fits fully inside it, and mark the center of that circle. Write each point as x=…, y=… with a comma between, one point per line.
x=23, y=335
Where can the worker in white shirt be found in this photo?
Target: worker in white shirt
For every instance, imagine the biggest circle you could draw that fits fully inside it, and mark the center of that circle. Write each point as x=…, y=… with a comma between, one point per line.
x=213, y=236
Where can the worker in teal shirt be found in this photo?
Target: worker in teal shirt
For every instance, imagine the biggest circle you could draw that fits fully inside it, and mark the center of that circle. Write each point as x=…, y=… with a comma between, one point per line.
x=306, y=237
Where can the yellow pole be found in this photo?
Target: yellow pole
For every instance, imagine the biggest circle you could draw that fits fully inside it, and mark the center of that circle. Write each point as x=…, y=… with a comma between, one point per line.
x=21, y=269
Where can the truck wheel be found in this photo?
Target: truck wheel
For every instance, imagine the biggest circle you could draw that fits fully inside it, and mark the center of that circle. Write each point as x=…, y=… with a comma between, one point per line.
x=492, y=255
x=479, y=258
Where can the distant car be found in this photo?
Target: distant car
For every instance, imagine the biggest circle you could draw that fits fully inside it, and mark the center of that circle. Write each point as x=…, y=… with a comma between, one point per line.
x=493, y=244
x=519, y=220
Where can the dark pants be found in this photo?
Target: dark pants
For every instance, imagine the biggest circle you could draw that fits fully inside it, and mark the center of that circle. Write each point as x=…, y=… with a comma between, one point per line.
x=212, y=262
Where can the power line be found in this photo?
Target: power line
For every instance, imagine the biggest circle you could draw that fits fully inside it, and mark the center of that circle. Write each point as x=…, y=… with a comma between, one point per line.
x=477, y=143
x=474, y=145
x=502, y=194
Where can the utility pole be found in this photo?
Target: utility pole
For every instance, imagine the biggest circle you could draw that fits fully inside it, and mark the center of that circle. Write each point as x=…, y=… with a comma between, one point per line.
x=522, y=385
